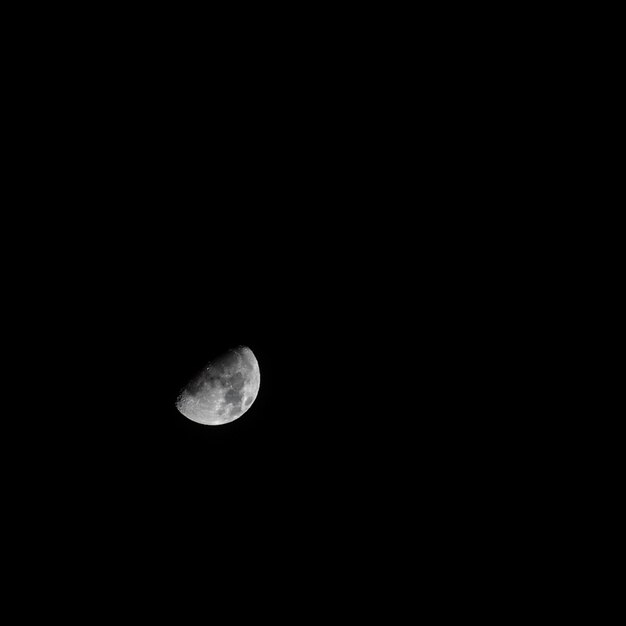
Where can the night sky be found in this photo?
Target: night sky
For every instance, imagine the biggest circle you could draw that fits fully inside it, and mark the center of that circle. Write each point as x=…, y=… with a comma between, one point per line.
x=342, y=252
x=360, y=432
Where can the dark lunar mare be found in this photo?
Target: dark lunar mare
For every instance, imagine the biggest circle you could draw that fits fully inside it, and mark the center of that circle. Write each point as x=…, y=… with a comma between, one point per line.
x=236, y=381
x=232, y=382
x=233, y=397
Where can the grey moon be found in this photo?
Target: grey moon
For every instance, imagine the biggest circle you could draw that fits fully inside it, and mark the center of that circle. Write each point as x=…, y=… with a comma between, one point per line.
x=223, y=390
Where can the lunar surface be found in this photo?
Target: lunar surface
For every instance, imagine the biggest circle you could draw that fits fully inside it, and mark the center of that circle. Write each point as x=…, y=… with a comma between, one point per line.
x=224, y=390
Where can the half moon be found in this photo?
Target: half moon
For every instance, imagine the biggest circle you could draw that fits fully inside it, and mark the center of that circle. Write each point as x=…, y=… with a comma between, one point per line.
x=223, y=390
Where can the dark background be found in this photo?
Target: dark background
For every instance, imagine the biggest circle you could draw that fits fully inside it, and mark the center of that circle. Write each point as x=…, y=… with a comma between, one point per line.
x=332, y=211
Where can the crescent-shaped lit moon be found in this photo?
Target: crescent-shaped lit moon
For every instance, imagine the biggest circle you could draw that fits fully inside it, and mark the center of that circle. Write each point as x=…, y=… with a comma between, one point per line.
x=216, y=395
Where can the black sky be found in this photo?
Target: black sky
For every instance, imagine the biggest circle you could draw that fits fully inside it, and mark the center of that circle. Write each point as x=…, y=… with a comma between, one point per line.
x=313, y=217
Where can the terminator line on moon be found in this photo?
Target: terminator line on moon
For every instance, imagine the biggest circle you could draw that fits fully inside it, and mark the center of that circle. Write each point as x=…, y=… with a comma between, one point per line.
x=223, y=390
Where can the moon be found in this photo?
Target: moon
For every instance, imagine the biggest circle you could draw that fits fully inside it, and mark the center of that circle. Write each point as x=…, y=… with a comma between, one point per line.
x=223, y=390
